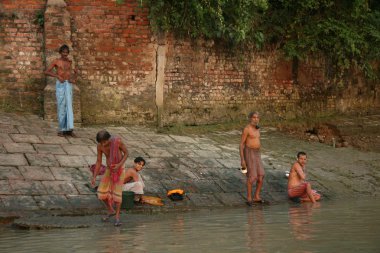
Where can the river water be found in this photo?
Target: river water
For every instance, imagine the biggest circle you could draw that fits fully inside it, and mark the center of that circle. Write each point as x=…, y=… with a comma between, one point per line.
x=352, y=225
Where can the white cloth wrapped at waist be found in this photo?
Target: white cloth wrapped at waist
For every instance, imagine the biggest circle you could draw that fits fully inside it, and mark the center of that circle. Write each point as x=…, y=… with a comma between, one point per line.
x=136, y=187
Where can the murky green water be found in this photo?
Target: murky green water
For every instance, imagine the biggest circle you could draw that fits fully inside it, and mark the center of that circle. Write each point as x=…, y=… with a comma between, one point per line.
x=349, y=226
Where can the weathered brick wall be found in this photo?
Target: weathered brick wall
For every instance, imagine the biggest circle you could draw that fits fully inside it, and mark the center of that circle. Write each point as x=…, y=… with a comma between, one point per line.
x=206, y=84
x=127, y=75
x=116, y=59
x=21, y=56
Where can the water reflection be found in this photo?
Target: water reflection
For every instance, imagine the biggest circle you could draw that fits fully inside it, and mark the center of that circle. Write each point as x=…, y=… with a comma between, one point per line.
x=264, y=229
x=255, y=234
x=301, y=220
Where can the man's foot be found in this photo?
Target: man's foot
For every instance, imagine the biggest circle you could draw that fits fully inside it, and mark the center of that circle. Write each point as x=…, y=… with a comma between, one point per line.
x=117, y=223
x=249, y=203
x=61, y=134
x=72, y=134
x=260, y=201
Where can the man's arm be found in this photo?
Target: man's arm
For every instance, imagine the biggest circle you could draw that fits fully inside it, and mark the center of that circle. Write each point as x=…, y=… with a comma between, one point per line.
x=244, y=136
x=98, y=164
x=300, y=172
x=49, y=71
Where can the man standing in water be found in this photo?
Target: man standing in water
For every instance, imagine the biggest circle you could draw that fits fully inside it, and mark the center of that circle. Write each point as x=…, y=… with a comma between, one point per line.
x=64, y=91
x=297, y=185
x=250, y=157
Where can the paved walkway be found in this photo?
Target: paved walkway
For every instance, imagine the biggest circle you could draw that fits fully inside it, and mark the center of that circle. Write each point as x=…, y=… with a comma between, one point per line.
x=41, y=172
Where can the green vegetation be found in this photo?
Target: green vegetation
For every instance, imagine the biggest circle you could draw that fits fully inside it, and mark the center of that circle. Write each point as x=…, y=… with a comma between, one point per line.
x=345, y=32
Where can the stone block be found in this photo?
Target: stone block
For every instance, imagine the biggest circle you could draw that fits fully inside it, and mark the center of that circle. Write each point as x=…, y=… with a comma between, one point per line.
x=157, y=153
x=25, y=138
x=154, y=174
x=60, y=187
x=49, y=149
x=8, y=129
x=154, y=187
x=42, y=160
x=19, y=148
x=77, y=149
x=4, y=138
x=27, y=187
x=52, y=202
x=231, y=199
x=82, y=188
x=2, y=149
x=206, y=186
x=36, y=173
x=185, y=139
x=29, y=130
x=231, y=185
x=13, y=160
x=229, y=163
x=68, y=174
x=5, y=188
x=204, y=200
x=82, y=141
x=10, y=173
x=53, y=139
x=207, y=153
x=19, y=203
x=85, y=201
x=71, y=161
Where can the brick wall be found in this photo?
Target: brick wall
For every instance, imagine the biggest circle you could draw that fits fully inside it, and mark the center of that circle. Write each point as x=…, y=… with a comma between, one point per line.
x=115, y=55
x=204, y=83
x=120, y=78
x=21, y=56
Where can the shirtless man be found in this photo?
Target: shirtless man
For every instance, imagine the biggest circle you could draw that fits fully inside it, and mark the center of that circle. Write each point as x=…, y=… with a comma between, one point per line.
x=64, y=93
x=133, y=181
x=297, y=185
x=251, y=158
x=111, y=185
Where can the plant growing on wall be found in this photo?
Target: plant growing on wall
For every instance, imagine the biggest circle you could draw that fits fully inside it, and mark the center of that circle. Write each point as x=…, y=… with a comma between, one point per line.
x=345, y=32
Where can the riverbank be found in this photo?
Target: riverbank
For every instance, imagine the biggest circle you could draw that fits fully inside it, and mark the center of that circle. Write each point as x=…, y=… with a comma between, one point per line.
x=42, y=174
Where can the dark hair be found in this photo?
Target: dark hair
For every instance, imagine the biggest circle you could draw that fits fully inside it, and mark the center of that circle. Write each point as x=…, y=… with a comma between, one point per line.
x=250, y=115
x=139, y=159
x=64, y=47
x=301, y=153
x=102, y=135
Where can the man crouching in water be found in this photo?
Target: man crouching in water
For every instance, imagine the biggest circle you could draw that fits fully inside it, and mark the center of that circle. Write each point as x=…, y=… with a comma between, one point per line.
x=251, y=157
x=111, y=184
x=297, y=185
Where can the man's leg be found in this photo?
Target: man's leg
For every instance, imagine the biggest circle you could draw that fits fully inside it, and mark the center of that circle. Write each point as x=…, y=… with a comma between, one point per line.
x=117, y=217
x=249, y=190
x=259, y=185
x=309, y=193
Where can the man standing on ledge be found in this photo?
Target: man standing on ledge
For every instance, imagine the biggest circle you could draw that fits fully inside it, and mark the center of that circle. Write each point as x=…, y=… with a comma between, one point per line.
x=251, y=158
x=64, y=91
